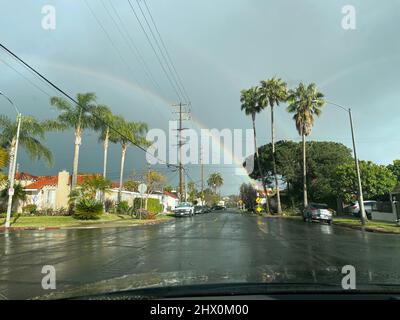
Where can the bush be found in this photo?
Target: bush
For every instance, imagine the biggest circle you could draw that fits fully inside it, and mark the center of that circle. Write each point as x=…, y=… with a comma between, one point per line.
x=29, y=208
x=154, y=206
x=109, y=205
x=88, y=209
x=123, y=207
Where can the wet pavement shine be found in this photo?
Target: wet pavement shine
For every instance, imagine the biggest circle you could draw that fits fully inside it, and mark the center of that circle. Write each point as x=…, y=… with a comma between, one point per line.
x=223, y=247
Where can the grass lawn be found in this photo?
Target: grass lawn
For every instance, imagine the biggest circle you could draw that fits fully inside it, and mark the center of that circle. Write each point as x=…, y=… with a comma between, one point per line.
x=69, y=221
x=371, y=225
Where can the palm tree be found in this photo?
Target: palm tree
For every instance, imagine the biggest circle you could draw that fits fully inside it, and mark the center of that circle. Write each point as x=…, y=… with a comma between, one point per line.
x=102, y=124
x=215, y=181
x=251, y=106
x=272, y=92
x=128, y=133
x=79, y=117
x=31, y=133
x=305, y=103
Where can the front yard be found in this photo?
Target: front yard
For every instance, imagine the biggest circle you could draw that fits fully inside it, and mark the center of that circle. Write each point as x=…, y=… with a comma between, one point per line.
x=374, y=226
x=69, y=221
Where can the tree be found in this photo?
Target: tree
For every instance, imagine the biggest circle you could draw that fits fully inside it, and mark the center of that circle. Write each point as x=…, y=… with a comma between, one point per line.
x=377, y=180
x=19, y=195
x=273, y=92
x=215, y=181
x=131, y=185
x=248, y=195
x=104, y=117
x=93, y=186
x=32, y=132
x=192, y=190
x=168, y=188
x=323, y=159
x=79, y=117
x=395, y=169
x=3, y=163
x=305, y=103
x=251, y=106
x=128, y=133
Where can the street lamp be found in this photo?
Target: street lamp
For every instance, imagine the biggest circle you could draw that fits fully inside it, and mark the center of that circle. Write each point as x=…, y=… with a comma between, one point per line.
x=13, y=162
x=360, y=192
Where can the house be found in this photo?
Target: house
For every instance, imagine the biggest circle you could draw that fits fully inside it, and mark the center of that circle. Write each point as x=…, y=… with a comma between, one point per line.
x=47, y=192
x=52, y=192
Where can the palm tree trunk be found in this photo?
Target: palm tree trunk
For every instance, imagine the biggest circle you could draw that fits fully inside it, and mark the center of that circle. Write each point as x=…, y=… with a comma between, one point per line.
x=278, y=197
x=102, y=195
x=259, y=164
x=305, y=200
x=78, y=140
x=105, y=153
x=122, y=172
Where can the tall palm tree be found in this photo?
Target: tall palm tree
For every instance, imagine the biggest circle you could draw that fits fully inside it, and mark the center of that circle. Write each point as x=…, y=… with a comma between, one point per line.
x=32, y=133
x=104, y=119
x=273, y=92
x=79, y=117
x=215, y=181
x=251, y=106
x=128, y=132
x=305, y=103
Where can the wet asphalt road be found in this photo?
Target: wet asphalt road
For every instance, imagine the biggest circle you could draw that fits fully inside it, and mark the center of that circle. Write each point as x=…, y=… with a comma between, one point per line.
x=216, y=247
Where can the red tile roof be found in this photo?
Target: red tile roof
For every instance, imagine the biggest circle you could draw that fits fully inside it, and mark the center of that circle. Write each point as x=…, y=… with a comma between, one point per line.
x=24, y=176
x=52, y=181
x=171, y=194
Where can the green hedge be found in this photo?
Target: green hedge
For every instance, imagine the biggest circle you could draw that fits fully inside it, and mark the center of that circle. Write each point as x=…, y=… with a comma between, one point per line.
x=153, y=205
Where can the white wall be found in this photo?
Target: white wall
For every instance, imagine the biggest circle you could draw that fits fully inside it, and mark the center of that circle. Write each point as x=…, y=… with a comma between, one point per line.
x=383, y=216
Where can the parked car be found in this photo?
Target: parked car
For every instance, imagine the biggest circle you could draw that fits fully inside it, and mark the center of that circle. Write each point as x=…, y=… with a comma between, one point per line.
x=207, y=209
x=199, y=209
x=354, y=208
x=319, y=212
x=184, y=209
x=218, y=208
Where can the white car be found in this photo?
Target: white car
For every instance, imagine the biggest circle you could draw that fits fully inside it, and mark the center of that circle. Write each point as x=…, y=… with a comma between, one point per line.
x=354, y=208
x=184, y=209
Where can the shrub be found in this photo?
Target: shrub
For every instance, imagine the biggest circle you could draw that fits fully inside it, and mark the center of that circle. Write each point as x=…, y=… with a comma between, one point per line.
x=29, y=208
x=88, y=209
x=154, y=205
x=123, y=207
x=109, y=205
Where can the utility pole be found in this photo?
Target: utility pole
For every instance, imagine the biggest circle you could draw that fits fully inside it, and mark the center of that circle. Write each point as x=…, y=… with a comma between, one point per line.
x=360, y=191
x=202, y=175
x=181, y=112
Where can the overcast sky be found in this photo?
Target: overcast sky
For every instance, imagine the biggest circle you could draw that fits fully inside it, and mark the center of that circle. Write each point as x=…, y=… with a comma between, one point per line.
x=218, y=48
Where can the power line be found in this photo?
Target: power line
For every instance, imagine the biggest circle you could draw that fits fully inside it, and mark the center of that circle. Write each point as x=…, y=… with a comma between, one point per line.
x=12, y=54
x=155, y=52
x=110, y=39
x=136, y=49
x=167, y=53
x=26, y=78
x=161, y=51
x=132, y=48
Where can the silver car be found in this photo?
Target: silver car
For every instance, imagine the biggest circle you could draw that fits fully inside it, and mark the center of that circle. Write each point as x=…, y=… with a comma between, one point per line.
x=317, y=211
x=184, y=209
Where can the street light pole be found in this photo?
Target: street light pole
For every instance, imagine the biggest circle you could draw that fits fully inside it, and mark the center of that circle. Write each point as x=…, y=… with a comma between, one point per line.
x=359, y=184
x=13, y=163
x=360, y=191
